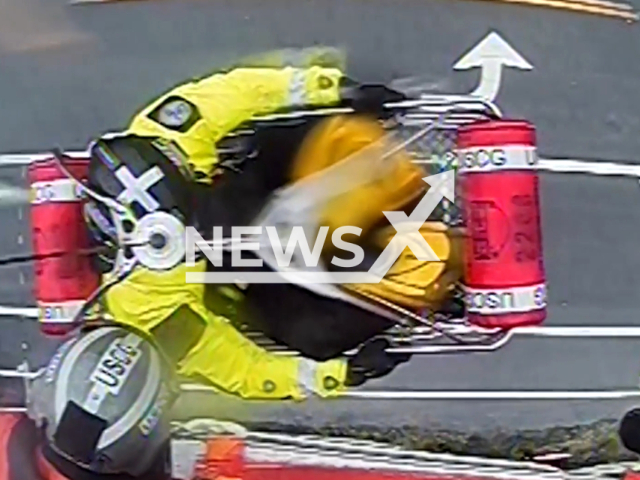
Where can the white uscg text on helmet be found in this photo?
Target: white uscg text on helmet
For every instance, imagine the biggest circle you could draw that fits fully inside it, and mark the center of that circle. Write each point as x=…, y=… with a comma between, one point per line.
x=115, y=366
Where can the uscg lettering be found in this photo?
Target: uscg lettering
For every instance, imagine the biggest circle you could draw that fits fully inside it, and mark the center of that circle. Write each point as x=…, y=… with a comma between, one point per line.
x=490, y=301
x=484, y=157
x=115, y=367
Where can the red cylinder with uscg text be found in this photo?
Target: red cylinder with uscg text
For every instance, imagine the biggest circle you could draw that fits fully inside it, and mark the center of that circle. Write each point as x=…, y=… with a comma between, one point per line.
x=64, y=280
x=505, y=282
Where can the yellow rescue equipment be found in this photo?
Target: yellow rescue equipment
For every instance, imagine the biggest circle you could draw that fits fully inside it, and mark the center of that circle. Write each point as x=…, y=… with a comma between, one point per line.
x=410, y=283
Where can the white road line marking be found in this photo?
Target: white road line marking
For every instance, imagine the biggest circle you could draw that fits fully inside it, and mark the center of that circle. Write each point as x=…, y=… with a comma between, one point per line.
x=584, y=332
x=28, y=158
x=496, y=395
x=511, y=395
x=556, y=165
x=29, y=312
x=543, y=331
x=503, y=395
x=560, y=165
x=7, y=373
x=469, y=394
x=590, y=167
x=12, y=195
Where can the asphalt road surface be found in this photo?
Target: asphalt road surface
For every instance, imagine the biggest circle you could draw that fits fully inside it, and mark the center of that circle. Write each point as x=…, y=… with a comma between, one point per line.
x=89, y=68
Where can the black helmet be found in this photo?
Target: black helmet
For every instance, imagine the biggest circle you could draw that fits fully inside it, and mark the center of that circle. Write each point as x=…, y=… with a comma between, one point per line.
x=145, y=175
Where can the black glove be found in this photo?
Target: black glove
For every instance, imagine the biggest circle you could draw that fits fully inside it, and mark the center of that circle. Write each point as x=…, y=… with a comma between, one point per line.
x=373, y=361
x=370, y=98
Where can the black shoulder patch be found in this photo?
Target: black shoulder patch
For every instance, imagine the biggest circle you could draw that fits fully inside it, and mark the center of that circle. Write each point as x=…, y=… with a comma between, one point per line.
x=176, y=113
x=179, y=333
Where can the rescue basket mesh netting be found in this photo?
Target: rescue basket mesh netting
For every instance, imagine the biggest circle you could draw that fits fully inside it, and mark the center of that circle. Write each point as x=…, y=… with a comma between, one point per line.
x=435, y=152
x=427, y=128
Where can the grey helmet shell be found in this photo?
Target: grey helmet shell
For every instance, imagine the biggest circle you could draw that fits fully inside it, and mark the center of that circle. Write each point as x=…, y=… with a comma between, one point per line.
x=114, y=374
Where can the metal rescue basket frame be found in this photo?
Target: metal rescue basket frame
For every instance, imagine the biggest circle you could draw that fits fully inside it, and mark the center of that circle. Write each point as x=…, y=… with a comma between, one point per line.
x=427, y=128
x=436, y=152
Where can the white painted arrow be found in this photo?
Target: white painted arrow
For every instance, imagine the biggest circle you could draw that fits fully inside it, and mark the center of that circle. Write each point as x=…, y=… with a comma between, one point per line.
x=491, y=54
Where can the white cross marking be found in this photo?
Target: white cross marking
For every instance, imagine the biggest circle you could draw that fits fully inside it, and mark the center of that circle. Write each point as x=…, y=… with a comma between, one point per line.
x=136, y=187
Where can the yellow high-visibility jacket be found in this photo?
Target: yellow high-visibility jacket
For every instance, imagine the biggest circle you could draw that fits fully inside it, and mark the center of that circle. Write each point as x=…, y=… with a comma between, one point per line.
x=196, y=115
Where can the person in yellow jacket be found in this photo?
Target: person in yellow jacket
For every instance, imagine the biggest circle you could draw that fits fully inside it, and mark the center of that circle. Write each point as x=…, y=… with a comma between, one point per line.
x=166, y=161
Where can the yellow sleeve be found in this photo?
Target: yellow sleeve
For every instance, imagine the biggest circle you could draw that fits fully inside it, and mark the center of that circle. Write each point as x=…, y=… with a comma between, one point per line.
x=222, y=356
x=232, y=363
x=196, y=115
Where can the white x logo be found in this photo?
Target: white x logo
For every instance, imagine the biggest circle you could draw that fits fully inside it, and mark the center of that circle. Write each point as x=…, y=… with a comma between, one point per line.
x=136, y=188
